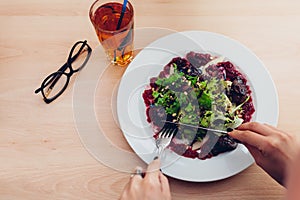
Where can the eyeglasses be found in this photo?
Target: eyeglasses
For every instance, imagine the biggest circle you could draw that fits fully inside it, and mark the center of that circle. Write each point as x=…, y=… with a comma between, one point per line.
x=78, y=57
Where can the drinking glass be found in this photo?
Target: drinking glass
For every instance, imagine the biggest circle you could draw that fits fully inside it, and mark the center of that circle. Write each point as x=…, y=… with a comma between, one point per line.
x=114, y=24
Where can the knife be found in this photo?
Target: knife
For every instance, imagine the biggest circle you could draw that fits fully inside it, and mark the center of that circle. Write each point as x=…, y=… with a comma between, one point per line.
x=199, y=127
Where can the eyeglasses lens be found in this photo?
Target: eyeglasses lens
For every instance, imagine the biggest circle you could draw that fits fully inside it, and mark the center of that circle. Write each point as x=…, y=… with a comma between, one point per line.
x=53, y=84
x=78, y=63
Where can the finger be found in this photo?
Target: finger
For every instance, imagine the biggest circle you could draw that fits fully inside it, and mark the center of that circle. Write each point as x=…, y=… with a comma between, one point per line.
x=275, y=129
x=137, y=174
x=259, y=128
x=165, y=187
x=255, y=152
x=249, y=137
x=153, y=169
x=258, y=155
x=133, y=186
x=271, y=127
x=154, y=166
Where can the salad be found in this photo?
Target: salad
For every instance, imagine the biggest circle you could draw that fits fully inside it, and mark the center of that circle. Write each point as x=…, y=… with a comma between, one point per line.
x=200, y=90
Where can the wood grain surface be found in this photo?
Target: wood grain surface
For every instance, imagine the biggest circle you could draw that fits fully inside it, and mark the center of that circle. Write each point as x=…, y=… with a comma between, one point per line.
x=41, y=154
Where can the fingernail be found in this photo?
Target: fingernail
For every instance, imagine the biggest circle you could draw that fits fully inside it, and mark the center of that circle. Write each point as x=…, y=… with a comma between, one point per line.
x=229, y=130
x=155, y=158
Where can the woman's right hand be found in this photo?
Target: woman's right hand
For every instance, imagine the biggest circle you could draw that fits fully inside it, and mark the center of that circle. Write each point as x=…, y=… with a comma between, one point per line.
x=272, y=149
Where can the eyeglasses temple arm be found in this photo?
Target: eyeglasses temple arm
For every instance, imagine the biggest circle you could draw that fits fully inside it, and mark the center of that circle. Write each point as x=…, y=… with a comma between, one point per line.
x=37, y=90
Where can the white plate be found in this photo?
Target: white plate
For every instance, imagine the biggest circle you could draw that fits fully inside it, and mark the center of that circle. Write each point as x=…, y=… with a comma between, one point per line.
x=150, y=61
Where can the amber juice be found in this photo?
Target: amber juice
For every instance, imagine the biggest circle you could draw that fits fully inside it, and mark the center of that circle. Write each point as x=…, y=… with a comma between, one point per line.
x=115, y=37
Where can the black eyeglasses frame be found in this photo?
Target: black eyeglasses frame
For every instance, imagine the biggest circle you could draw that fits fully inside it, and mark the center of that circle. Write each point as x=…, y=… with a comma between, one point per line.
x=55, y=76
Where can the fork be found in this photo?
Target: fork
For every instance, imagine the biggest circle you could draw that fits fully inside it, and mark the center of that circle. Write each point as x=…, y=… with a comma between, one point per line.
x=164, y=138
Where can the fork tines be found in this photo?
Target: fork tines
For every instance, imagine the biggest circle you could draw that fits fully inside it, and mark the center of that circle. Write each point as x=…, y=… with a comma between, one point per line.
x=167, y=131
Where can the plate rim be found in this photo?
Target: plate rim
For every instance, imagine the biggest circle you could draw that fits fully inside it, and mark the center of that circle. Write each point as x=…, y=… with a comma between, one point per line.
x=190, y=34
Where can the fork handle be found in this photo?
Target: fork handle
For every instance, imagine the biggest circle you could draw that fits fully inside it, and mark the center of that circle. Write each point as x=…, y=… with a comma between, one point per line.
x=160, y=151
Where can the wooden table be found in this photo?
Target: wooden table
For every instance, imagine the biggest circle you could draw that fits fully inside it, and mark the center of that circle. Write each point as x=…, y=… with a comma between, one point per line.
x=41, y=155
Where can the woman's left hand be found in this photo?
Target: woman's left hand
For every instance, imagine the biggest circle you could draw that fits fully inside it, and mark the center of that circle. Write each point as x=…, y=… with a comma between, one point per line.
x=154, y=185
